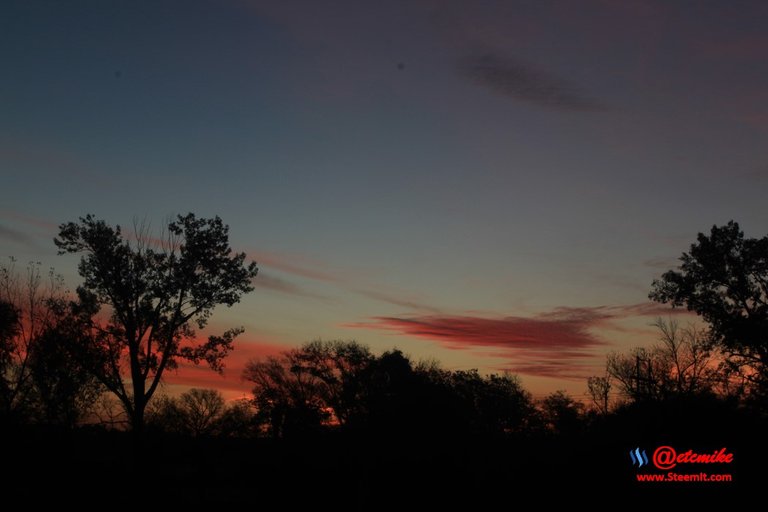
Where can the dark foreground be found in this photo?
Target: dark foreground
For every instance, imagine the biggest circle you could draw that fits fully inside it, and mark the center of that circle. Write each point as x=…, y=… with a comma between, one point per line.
x=381, y=470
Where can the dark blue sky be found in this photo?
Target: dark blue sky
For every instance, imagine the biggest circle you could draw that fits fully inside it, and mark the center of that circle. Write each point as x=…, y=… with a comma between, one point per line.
x=503, y=179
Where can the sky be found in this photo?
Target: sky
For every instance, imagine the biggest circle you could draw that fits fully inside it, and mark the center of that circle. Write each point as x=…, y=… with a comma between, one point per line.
x=493, y=185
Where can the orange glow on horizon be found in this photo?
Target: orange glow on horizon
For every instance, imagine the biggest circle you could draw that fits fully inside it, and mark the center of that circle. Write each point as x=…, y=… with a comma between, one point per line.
x=230, y=383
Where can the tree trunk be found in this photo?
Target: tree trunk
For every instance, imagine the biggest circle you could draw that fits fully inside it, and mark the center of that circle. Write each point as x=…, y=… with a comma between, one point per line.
x=137, y=418
x=139, y=406
x=139, y=384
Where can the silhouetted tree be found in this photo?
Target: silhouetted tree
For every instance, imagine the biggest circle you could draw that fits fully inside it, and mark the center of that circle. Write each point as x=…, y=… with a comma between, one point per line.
x=493, y=403
x=196, y=413
x=320, y=382
x=108, y=412
x=394, y=397
x=202, y=409
x=599, y=391
x=504, y=404
x=724, y=278
x=683, y=364
x=287, y=396
x=8, y=319
x=155, y=290
x=165, y=414
x=342, y=383
x=562, y=414
x=238, y=420
x=64, y=391
x=689, y=357
x=631, y=371
x=339, y=366
x=32, y=314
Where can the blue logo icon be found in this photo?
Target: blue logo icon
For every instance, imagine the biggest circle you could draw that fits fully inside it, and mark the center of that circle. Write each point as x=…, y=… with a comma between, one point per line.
x=638, y=457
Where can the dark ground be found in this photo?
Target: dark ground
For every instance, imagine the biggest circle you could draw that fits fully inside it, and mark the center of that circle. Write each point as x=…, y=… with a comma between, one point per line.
x=381, y=471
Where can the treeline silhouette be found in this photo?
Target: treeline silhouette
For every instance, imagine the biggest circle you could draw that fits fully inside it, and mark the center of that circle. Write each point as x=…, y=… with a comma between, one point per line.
x=331, y=421
x=375, y=430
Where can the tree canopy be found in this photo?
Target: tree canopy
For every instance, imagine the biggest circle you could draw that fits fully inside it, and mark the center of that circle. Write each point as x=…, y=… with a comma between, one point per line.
x=152, y=291
x=40, y=380
x=343, y=383
x=724, y=278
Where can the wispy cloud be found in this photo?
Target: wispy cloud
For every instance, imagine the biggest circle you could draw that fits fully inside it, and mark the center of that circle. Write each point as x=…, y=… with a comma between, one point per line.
x=558, y=343
x=292, y=264
x=39, y=224
x=39, y=159
x=18, y=237
x=397, y=300
x=662, y=263
x=277, y=284
x=525, y=82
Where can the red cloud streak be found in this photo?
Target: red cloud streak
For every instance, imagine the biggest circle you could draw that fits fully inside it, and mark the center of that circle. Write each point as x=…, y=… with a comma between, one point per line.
x=559, y=343
x=562, y=330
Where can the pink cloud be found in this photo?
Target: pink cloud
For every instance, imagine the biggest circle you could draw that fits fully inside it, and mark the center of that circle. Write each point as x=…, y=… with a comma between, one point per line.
x=559, y=343
x=555, y=330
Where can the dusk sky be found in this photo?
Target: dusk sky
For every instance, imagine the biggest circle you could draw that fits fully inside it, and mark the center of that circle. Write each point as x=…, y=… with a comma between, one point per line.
x=490, y=184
